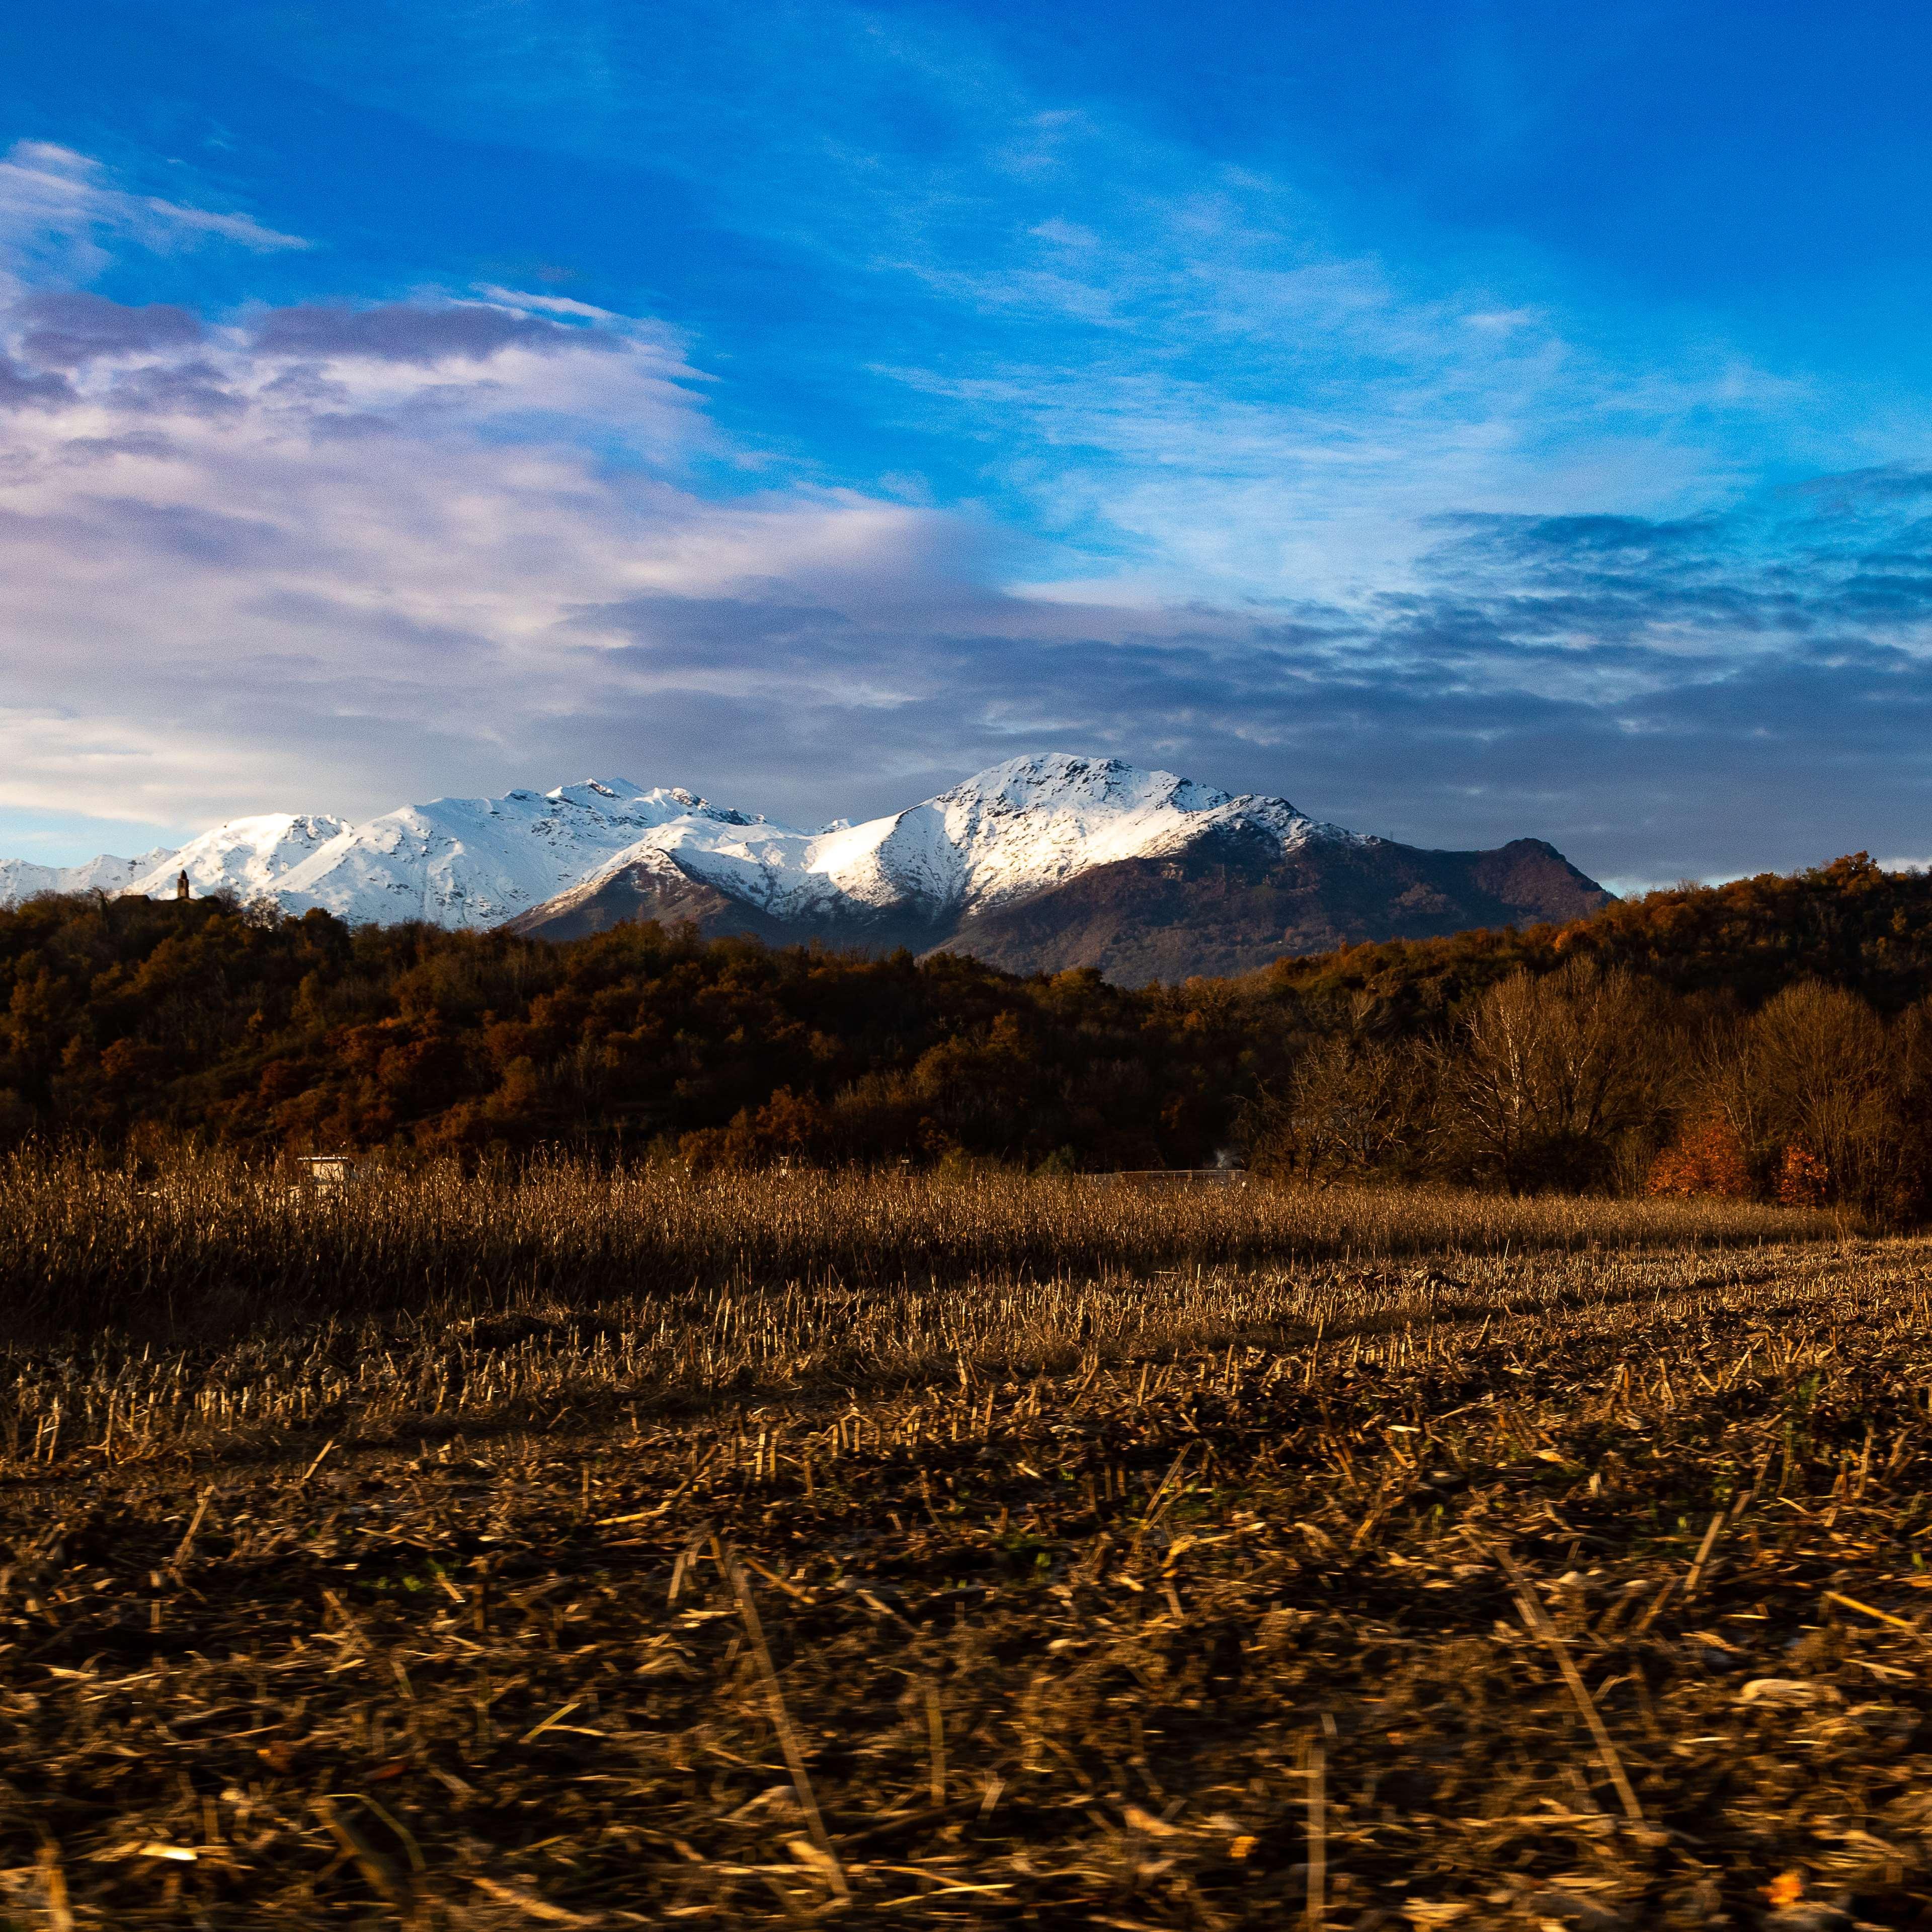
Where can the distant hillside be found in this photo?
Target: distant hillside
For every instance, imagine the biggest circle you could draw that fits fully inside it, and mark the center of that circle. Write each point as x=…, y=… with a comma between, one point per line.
x=1848, y=924
x=121, y=1018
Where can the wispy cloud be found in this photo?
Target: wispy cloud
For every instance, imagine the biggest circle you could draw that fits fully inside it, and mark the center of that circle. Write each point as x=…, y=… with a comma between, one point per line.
x=1199, y=387
x=62, y=212
x=1192, y=377
x=360, y=551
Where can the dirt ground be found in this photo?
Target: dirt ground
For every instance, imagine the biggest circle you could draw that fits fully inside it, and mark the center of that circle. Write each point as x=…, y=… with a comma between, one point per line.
x=1583, y=1592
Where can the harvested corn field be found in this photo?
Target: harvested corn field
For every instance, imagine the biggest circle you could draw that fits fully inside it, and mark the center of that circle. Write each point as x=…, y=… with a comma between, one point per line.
x=1575, y=1587
x=208, y=1244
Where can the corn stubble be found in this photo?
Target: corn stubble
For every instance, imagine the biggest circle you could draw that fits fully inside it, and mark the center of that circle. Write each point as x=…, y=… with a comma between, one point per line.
x=975, y=1551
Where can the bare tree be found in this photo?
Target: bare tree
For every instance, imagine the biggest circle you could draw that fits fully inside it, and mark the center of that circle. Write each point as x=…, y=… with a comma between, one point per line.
x=1352, y=1108
x=1549, y=1072
x=1813, y=1069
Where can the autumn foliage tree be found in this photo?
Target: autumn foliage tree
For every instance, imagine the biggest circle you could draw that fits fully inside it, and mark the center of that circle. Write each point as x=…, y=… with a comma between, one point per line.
x=301, y=1033
x=1708, y=1158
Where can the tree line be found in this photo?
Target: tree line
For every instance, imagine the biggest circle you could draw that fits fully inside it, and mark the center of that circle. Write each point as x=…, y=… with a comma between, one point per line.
x=1589, y=1077
x=1769, y=1038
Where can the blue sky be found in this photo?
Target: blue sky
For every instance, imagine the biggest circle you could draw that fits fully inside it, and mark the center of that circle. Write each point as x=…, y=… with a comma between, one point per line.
x=1469, y=420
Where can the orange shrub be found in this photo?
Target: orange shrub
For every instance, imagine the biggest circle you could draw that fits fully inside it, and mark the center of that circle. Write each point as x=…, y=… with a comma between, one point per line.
x=1803, y=1180
x=1706, y=1158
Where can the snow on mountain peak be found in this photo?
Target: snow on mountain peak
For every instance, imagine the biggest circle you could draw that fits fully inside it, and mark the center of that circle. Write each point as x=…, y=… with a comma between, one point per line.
x=21, y=878
x=1019, y=828
x=460, y=861
x=1035, y=822
x=1059, y=781
x=246, y=856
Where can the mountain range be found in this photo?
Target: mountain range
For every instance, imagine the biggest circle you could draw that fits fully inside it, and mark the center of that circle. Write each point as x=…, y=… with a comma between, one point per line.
x=1040, y=864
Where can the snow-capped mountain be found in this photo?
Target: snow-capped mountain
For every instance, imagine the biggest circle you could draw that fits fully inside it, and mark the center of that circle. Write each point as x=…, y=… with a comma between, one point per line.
x=1033, y=824
x=247, y=857
x=1020, y=828
x=1046, y=861
x=21, y=879
x=480, y=861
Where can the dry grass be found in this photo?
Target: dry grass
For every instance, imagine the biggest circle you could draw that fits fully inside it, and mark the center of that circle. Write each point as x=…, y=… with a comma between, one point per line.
x=1576, y=1585
x=211, y=1246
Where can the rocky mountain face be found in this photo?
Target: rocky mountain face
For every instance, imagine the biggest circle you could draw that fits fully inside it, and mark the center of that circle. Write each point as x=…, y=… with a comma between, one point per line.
x=1040, y=864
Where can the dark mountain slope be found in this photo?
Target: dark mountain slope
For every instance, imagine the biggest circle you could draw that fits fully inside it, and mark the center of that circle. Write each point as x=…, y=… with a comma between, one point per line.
x=1230, y=905
x=1232, y=901
x=657, y=891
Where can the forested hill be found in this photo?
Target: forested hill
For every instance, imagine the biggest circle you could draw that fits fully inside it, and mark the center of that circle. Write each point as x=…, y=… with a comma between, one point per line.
x=1848, y=924
x=127, y=1016
x=124, y=1015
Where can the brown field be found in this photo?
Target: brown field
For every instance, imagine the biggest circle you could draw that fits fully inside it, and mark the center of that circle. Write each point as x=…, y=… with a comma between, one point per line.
x=211, y=1246
x=567, y=1552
